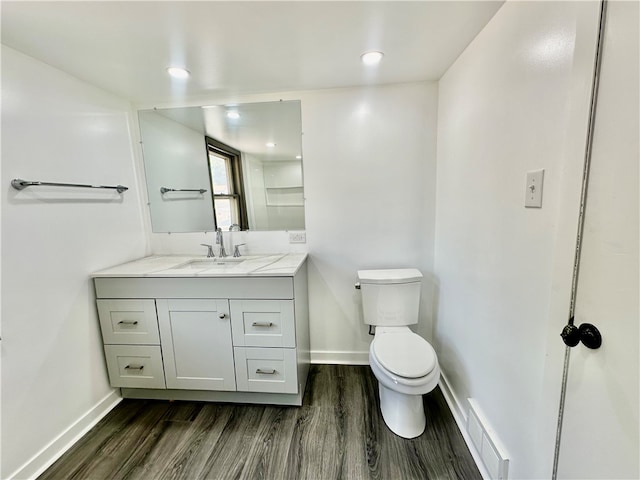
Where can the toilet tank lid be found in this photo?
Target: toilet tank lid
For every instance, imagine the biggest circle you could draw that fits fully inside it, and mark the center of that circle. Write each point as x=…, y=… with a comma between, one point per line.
x=397, y=275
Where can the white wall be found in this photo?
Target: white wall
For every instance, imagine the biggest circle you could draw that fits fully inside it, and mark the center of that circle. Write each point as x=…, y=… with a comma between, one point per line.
x=515, y=100
x=176, y=157
x=57, y=128
x=369, y=173
x=369, y=185
x=255, y=195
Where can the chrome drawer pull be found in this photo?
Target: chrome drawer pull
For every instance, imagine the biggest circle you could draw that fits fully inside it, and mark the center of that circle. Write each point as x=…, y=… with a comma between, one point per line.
x=262, y=324
x=134, y=367
x=128, y=322
x=266, y=372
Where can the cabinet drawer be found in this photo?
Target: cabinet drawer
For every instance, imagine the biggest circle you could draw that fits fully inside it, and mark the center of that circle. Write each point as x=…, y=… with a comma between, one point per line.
x=131, y=322
x=270, y=370
x=134, y=366
x=263, y=323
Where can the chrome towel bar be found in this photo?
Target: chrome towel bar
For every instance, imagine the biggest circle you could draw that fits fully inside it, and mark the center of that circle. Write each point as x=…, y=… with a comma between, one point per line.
x=19, y=184
x=164, y=190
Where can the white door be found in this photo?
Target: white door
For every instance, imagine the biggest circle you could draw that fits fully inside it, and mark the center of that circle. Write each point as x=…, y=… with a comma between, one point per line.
x=600, y=433
x=196, y=344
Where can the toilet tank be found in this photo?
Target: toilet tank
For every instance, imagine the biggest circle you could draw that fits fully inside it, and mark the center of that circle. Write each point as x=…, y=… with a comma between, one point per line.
x=390, y=297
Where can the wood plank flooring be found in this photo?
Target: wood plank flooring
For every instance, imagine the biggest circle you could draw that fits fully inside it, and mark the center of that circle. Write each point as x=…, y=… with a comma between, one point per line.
x=338, y=433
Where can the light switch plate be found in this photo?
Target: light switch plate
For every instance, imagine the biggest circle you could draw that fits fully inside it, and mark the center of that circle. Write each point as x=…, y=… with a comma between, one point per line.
x=533, y=194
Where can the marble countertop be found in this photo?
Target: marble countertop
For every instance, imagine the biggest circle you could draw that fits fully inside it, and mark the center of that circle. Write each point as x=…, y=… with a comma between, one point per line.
x=275, y=265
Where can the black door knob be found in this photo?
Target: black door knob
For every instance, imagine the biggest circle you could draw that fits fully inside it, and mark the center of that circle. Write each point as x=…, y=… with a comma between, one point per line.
x=590, y=336
x=570, y=335
x=586, y=333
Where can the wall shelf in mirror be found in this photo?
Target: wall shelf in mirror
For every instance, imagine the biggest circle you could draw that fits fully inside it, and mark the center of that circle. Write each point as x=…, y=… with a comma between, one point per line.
x=285, y=196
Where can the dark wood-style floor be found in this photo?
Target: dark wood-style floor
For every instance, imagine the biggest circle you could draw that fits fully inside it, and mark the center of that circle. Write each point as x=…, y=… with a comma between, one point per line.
x=338, y=433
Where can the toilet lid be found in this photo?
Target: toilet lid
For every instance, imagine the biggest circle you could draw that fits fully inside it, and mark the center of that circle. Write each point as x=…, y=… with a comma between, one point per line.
x=405, y=354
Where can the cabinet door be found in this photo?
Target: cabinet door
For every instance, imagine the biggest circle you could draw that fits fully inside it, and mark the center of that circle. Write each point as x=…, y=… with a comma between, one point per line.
x=196, y=344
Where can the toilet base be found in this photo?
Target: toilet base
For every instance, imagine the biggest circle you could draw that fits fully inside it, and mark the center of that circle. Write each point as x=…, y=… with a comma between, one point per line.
x=403, y=414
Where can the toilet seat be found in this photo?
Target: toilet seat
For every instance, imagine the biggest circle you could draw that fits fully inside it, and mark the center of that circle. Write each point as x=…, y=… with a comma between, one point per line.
x=404, y=354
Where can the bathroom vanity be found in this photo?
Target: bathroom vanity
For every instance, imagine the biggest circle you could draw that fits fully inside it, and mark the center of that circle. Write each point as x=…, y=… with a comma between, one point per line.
x=193, y=328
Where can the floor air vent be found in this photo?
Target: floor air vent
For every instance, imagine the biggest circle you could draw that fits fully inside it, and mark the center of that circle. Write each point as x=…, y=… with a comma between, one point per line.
x=483, y=439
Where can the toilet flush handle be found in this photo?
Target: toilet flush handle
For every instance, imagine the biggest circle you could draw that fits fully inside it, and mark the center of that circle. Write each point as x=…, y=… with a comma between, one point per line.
x=357, y=285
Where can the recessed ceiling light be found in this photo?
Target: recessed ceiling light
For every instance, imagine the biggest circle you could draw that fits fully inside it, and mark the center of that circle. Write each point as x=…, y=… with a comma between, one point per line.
x=270, y=144
x=233, y=114
x=178, y=72
x=371, y=58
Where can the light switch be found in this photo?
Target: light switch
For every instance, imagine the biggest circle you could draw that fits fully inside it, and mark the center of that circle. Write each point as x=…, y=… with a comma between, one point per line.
x=533, y=194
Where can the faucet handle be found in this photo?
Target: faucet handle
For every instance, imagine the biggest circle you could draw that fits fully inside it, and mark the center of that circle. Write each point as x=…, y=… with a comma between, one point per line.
x=236, y=250
x=209, y=250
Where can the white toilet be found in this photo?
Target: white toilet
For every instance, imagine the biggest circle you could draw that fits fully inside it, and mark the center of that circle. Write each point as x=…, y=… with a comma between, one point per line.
x=404, y=363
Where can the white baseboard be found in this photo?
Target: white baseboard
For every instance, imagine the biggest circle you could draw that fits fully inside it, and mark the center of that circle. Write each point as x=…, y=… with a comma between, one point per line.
x=52, y=452
x=461, y=420
x=329, y=357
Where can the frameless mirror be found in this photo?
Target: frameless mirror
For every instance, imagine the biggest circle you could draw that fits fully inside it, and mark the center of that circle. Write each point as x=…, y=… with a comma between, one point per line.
x=226, y=166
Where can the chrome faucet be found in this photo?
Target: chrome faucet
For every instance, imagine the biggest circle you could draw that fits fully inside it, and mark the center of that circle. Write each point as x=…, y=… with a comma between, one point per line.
x=234, y=227
x=209, y=250
x=236, y=250
x=220, y=241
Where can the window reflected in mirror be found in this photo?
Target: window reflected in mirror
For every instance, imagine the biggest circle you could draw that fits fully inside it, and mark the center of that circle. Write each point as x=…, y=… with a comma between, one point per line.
x=225, y=172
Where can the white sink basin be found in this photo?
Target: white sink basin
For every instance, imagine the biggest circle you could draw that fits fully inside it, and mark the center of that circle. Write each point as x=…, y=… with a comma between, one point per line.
x=212, y=263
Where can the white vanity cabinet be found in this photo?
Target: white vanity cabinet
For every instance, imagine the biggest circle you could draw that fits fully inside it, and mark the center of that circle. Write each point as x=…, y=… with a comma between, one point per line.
x=210, y=338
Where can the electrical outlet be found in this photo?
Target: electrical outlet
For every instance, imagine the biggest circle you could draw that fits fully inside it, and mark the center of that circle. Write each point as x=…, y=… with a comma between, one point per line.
x=297, y=237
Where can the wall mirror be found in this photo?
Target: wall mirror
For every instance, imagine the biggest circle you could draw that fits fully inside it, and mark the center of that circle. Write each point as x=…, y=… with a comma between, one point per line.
x=224, y=165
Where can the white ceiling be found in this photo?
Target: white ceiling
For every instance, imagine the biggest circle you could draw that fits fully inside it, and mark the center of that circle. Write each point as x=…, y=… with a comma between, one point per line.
x=238, y=47
x=258, y=123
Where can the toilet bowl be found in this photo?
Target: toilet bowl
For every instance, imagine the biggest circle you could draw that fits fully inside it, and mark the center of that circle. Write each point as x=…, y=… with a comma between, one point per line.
x=406, y=368
x=405, y=364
